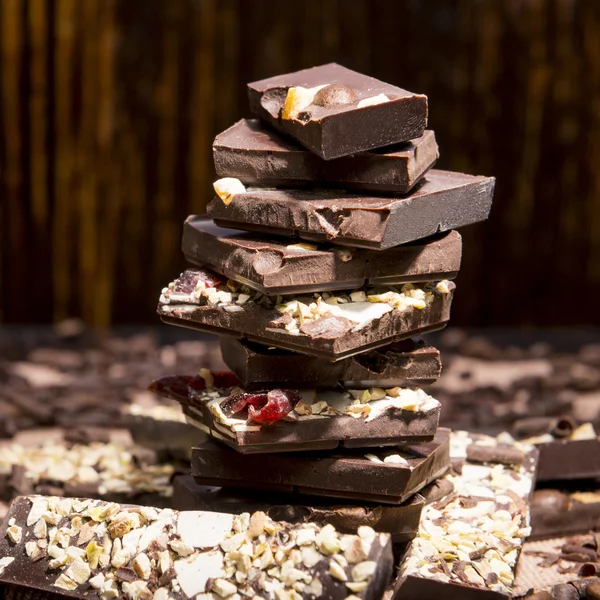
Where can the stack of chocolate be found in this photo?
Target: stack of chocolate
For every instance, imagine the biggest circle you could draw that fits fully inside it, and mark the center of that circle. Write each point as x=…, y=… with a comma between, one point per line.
x=325, y=396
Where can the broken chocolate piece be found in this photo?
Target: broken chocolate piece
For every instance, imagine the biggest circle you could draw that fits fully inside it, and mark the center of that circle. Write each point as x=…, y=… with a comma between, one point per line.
x=256, y=154
x=379, y=115
x=278, y=266
x=500, y=453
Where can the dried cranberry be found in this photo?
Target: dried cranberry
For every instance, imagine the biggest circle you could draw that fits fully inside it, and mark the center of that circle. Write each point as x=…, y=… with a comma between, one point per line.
x=236, y=403
x=225, y=379
x=176, y=387
x=279, y=404
x=186, y=283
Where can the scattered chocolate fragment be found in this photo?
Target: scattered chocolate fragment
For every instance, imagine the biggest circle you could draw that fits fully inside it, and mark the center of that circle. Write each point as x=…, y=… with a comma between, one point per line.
x=501, y=453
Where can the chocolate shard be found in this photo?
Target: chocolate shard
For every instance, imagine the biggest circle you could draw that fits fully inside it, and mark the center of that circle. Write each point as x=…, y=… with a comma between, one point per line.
x=436, y=490
x=320, y=420
x=197, y=546
x=569, y=459
x=503, y=454
x=401, y=521
x=315, y=324
x=559, y=427
x=374, y=114
x=402, y=364
x=256, y=154
x=440, y=202
x=388, y=476
x=279, y=266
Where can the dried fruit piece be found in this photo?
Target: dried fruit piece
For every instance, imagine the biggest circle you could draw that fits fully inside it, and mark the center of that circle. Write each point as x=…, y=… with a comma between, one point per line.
x=176, y=387
x=279, y=404
x=236, y=403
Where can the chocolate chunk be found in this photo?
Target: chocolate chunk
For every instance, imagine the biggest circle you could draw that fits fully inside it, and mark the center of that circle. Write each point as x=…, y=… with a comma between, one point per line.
x=503, y=454
x=331, y=129
x=87, y=435
x=350, y=475
x=257, y=155
x=325, y=333
x=437, y=490
x=558, y=427
x=378, y=422
x=569, y=459
x=401, y=364
x=543, y=595
x=277, y=266
x=441, y=202
x=401, y=521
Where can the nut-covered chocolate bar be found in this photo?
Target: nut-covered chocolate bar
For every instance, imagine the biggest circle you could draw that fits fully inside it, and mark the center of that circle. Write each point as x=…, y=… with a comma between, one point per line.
x=404, y=364
x=389, y=476
x=469, y=541
x=257, y=155
x=336, y=112
x=440, y=202
x=287, y=420
x=330, y=325
x=89, y=549
x=279, y=266
x=400, y=521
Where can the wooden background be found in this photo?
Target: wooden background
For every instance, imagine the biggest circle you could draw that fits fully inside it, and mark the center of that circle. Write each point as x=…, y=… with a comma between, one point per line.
x=108, y=110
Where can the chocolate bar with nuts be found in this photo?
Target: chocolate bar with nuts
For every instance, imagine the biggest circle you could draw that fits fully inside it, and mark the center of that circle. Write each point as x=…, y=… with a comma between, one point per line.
x=288, y=420
x=560, y=512
x=276, y=266
x=328, y=325
x=336, y=112
x=469, y=542
x=442, y=201
x=257, y=155
x=89, y=549
x=389, y=476
x=401, y=521
x=402, y=364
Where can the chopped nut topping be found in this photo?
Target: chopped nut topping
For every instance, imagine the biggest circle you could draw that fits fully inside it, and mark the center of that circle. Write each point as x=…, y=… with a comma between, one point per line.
x=373, y=100
x=227, y=187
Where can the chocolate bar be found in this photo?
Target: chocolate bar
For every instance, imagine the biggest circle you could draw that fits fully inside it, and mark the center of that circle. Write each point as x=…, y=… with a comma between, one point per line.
x=401, y=521
x=102, y=470
x=336, y=112
x=101, y=550
x=402, y=364
x=285, y=420
x=162, y=428
x=328, y=325
x=469, y=542
x=389, y=476
x=556, y=513
x=257, y=155
x=276, y=266
x=442, y=201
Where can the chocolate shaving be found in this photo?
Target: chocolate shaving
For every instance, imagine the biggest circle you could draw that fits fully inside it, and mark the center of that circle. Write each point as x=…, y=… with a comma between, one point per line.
x=577, y=549
x=126, y=574
x=459, y=570
x=491, y=579
x=478, y=554
x=441, y=504
x=167, y=576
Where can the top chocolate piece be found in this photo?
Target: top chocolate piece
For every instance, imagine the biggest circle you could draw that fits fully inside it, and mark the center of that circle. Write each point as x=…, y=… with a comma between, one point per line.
x=335, y=112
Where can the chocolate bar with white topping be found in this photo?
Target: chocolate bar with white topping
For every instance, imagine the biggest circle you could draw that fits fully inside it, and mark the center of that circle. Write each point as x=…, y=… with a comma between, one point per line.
x=89, y=549
x=334, y=111
x=328, y=325
x=387, y=476
x=256, y=154
x=287, y=420
x=279, y=266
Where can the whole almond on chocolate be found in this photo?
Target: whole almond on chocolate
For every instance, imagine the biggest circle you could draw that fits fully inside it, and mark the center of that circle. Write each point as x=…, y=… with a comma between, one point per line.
x=335, y=94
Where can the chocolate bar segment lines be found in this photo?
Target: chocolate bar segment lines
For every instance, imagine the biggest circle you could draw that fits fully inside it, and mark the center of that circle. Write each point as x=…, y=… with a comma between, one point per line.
x=280, y=266
x=257, y=155
x=336, y=112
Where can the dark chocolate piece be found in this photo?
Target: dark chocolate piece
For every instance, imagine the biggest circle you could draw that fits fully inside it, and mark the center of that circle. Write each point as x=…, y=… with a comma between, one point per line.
x=555, y=513
x=388, y=476
x=359, y=321
x=402, y=364
x=569, y=459
x=182, y=555
x=501, y=453
x=333, y=124
x=558, y=427
x=278, y=266
x=442, y=201
x=401, y=522
x=321, y=420
x=257, y=155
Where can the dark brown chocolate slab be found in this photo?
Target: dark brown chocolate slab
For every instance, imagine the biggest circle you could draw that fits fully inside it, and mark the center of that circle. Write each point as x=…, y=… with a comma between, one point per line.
x=349, y=475
x=400, y=364
x=420, y=588
x=328, y=337
x=442, y=201
x=277, y=266
x=340, y=130
x=558, y=513
x=569, y=459
x=256, y=154
x=401, y=522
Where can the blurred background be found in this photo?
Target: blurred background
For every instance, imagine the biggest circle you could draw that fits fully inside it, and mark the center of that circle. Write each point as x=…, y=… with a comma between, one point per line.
x=108, y=110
